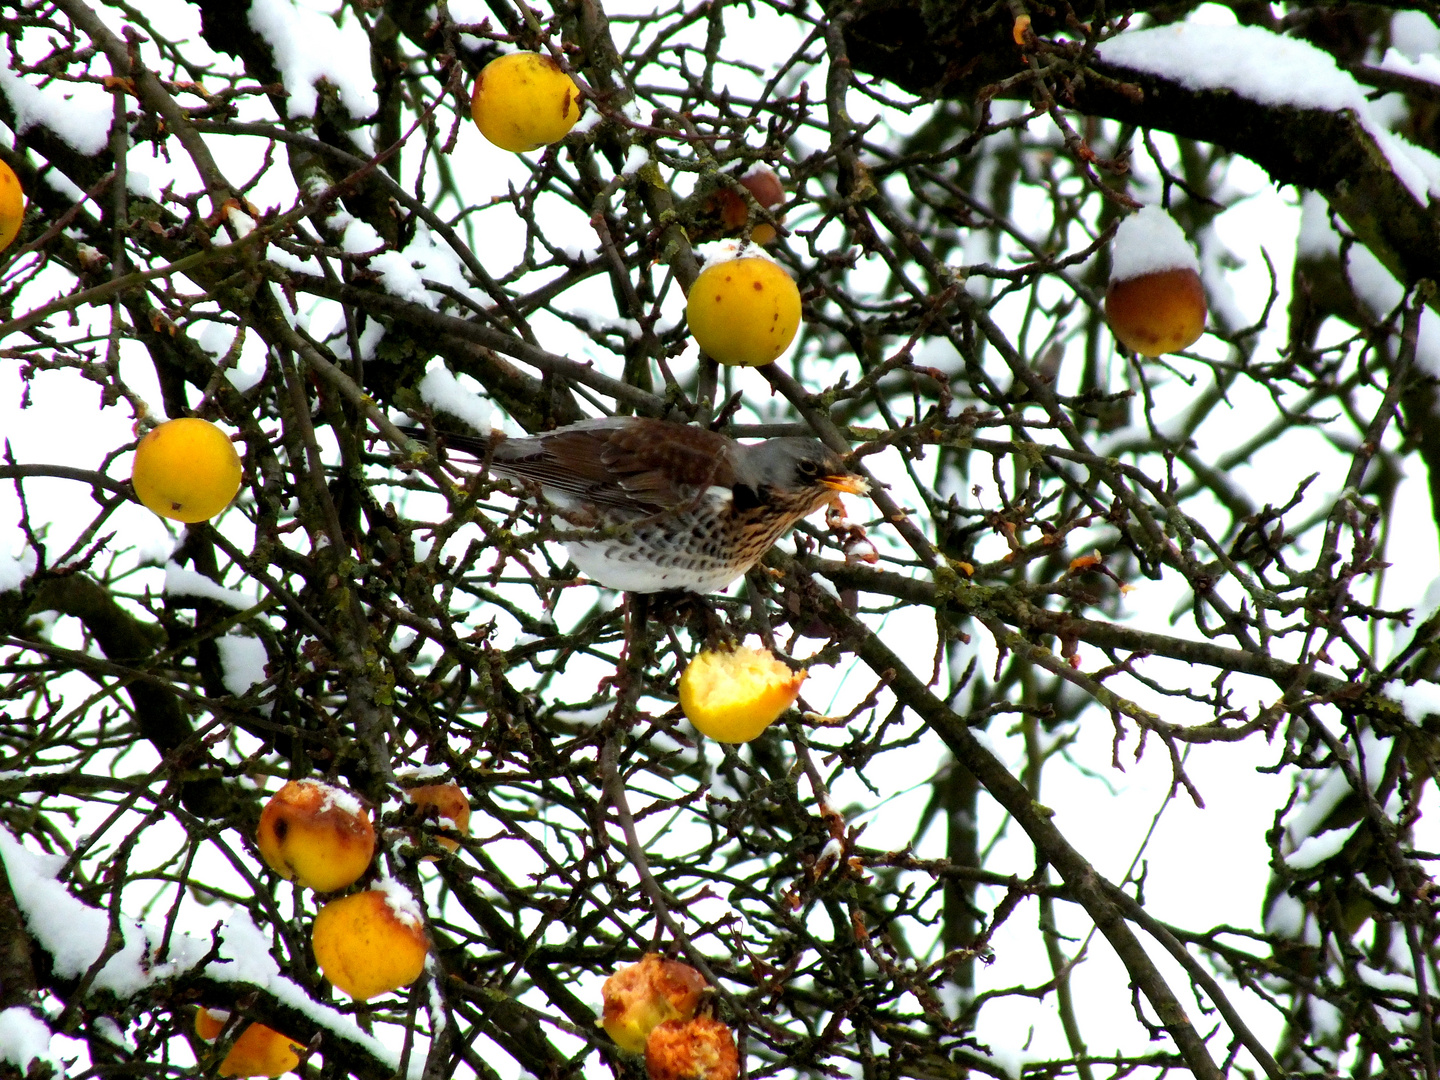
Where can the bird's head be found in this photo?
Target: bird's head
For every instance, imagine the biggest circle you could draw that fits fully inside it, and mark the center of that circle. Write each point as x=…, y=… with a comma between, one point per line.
x=795, y=466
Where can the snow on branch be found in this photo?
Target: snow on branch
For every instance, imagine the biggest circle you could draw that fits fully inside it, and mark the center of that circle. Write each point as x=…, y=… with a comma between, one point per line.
x=74, y=934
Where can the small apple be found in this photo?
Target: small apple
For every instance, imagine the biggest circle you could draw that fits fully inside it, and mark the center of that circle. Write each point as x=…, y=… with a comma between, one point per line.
x=523, y=101
x=370, y=943
x=12, y=206
x=734, y=212
x=743, y=310
x=186, y=469
x=259, y=1050
x=316, y=835
x=450, y=807
x=732, y=695
x=698, y=1049
x=640, y=996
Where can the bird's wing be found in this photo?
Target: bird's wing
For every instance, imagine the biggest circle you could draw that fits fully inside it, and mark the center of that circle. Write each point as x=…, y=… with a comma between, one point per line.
x=632, y=464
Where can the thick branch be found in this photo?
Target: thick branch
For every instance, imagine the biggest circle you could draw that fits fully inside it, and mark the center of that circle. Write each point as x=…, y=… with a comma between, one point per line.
x=956, y=51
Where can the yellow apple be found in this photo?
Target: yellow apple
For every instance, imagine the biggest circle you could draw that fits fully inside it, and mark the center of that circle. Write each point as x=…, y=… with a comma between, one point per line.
x=259, y=1050
x=451, y=807
x=12, y=206
x=523, y=101
x=186, y=469
x=743, y=311
x=370, y=943
x=732, y=695
x=1158, y=312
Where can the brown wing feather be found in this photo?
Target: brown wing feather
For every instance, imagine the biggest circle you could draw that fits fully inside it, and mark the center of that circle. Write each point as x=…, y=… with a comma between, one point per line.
x=626, y=462
x=667, y=464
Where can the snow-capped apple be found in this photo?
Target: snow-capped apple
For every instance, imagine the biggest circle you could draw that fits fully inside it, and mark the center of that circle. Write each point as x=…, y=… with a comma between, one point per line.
x=370, y=943
x=732, y=695
x=258, y=1051
x=448, y=804
x=186, y=469
x=316, y=835
x=698, y=1049
x=743, y=308
x=1155, y=303
x=641, y=996
x=523, y=101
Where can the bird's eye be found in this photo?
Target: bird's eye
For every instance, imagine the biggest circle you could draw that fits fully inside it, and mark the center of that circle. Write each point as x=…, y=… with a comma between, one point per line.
x=808, y=469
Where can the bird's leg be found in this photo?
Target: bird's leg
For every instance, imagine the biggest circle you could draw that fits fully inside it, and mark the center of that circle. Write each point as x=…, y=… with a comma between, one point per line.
x=706, y=624
x=635, y=612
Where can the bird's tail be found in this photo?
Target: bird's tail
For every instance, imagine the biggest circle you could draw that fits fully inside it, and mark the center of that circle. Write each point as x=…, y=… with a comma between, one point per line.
x=478, y=446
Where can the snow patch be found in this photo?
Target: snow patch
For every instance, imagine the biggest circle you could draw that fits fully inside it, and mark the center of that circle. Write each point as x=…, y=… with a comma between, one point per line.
x=1413, y=34
x=181, y=582
x=335, y=798
x=637, y=158
x=1285, y=917
x=79, y=113
x=218, y=339
x=1426, y=68
x=368, y=339
x=308, y=47
x=435, y=261
x=721, y=251
x=138, y=182
x=1267, y=68
x=1316, y=849
x=1374, y=285
x=1327, y=794
x=1418, y=701
x=1380, y=292
x=242, y=662
x=1147, y=242
x=241, y=222
x=14, y=571
x=442, y=391
x=421, y=772
x=24, y=1037
x=396, y=273
x=74, y=933
x=1385, y=980
x=401, y=901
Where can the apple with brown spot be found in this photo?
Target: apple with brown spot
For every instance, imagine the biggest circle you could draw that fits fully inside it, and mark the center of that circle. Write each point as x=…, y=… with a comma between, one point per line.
x=316, y=835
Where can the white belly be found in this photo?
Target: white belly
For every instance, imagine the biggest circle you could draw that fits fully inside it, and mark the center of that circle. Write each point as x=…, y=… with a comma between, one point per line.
x=618, y=567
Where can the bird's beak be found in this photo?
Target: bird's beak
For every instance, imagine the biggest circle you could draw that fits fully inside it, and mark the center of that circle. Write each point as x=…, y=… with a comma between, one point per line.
x=849, y=483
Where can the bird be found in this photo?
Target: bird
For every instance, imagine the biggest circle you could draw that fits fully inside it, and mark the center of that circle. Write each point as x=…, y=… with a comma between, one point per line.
x=667, y=506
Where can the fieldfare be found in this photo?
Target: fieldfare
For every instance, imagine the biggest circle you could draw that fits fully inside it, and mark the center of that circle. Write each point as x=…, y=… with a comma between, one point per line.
x=672, y=506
